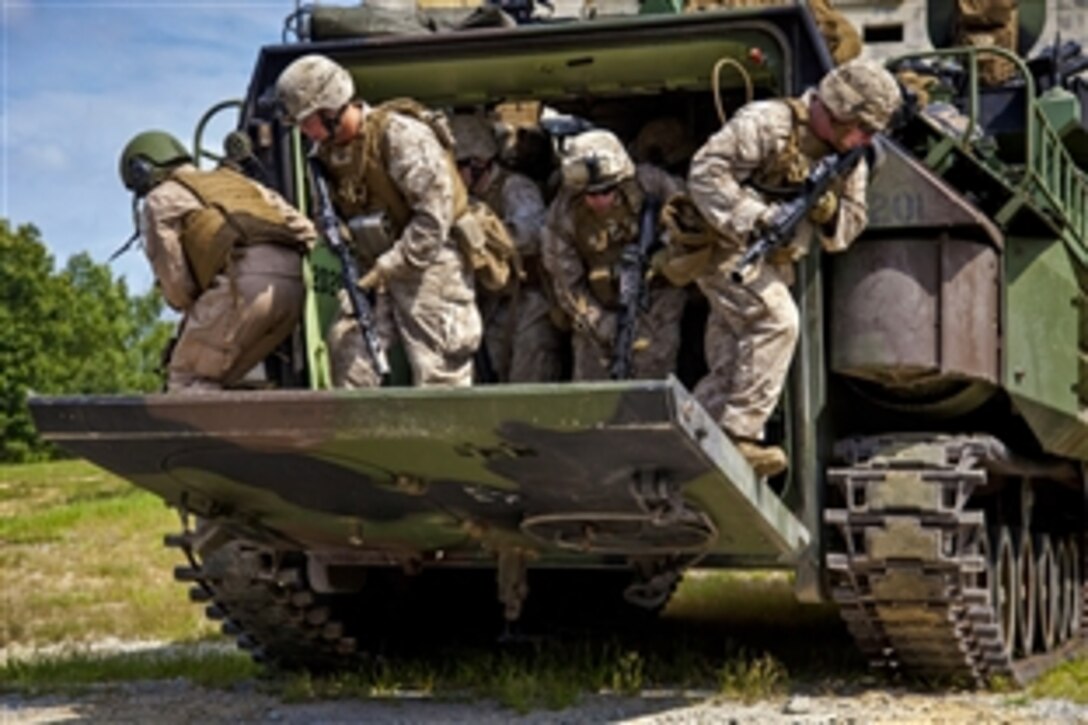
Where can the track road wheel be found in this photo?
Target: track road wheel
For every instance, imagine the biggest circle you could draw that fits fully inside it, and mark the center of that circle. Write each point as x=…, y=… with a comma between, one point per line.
x=1079, y=593
x=1049, y=592
x=1006, y=583
x=1027, y=594
x=1066, y=589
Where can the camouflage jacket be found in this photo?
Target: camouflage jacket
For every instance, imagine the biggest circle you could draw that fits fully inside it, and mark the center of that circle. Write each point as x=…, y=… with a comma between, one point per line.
x=562, y=260
x=754, y=138
x=418, y=166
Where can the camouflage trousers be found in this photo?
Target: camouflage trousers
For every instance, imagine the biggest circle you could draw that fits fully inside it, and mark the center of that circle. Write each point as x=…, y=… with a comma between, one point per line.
x=431, y=312
x=522, y=343
x=235, y=324
x=751, y=334
x=657, y=339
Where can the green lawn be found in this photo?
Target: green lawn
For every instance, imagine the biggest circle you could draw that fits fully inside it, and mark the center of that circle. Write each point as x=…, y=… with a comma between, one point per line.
x=82, y=560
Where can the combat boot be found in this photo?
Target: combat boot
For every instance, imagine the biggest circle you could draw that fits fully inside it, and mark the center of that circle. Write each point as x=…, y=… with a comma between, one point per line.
x=764, y=460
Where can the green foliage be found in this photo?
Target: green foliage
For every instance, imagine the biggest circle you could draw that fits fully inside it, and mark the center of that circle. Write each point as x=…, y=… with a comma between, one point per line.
x=70, y=670
x=76, y=330
x=750, y=677
x=1068, y=680
x=81, y=559
x=629, y=672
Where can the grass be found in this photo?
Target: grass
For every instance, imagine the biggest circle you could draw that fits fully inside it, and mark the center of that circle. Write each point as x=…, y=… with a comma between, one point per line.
x=549, y=675
x=78, y=669
x=1068, y=681
x=82, y=560
x=740, y=636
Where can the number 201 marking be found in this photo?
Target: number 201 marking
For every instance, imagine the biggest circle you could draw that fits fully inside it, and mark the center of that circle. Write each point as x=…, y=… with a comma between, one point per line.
x=899, y=207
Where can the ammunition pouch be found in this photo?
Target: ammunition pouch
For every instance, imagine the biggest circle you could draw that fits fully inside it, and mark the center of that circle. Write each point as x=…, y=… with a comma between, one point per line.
x=604, y=285
x=487, y=246
x=691, y=245
x=372, y=234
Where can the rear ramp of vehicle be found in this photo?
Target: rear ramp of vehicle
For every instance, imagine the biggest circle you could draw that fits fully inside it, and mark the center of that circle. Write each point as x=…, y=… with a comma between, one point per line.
x=572, y=472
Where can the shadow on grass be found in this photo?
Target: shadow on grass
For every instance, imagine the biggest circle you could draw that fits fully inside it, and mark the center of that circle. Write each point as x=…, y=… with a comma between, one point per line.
x=741, y=636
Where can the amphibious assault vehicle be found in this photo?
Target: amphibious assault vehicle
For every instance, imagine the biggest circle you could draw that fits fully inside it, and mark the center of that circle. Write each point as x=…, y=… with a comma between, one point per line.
x=935, y=416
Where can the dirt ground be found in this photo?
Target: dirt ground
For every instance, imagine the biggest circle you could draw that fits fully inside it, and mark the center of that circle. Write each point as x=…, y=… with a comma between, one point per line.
x=179, y=702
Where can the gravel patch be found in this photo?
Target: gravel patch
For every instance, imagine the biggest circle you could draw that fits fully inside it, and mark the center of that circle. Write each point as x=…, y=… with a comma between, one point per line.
x=167, y=702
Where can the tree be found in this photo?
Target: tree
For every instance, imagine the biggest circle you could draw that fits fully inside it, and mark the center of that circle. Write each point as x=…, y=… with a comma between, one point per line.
x=74, y=331
x=124, y=332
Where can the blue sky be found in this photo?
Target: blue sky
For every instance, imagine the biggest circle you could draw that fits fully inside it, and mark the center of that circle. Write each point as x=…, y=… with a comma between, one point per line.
x=79, y=78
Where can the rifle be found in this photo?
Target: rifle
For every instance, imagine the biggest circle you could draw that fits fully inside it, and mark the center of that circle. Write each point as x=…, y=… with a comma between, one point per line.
x=779, y=231
x=560, y=128
x=634, y=292
x=349, y=272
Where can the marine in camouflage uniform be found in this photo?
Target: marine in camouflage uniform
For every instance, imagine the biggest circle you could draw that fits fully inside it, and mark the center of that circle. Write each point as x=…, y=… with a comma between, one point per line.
x=989, y=23
x=226, y=253
x=390, y=163
x=521, y=340
x=595, y=215
x=752, y=329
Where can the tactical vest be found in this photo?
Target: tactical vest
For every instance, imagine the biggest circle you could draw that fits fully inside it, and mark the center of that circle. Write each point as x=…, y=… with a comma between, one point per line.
x=600, y=239
x=234, y=213
x=694, y=245
x=784, y=173
x=362, y=185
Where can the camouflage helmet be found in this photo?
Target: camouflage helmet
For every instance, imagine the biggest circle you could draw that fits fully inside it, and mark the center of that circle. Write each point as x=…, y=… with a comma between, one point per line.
x=594, y=161
x=861, y=90
x=147, y=157
x=313, y=83
x=474, y=135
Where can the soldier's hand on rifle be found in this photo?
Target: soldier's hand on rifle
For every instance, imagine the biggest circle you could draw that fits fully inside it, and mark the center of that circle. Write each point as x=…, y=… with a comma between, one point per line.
x=601, y=327
x=373, y=280
x=781, y=255
x=766, y=219
x=657, y=263
x=823, y=211
x=382, y=271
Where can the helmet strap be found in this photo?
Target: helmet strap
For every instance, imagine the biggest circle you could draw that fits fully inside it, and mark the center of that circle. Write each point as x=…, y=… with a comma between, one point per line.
x=141, y=172
x=332, y=124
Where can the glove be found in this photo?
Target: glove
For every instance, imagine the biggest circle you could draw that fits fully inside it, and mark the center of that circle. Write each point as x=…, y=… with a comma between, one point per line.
x=823, y=211
x=383, y=270
x=373, y=280
x=765, y=218
x=681, y=266
x=781, y=255
x=658, y=262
